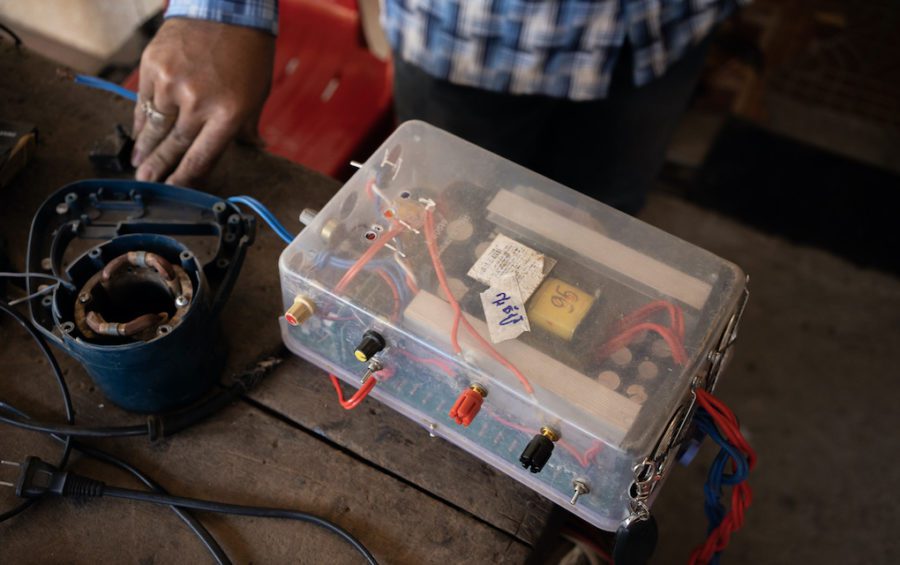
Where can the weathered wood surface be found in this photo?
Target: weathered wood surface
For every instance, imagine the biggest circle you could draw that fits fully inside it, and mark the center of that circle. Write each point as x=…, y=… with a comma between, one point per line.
x=409, y=497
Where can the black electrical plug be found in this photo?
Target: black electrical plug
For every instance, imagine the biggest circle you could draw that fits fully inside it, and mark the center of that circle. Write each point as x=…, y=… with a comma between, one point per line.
x=37, y=478
x=539, y=450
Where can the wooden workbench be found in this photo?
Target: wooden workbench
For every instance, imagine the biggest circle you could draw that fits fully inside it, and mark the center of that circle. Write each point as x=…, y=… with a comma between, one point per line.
x=408, y=497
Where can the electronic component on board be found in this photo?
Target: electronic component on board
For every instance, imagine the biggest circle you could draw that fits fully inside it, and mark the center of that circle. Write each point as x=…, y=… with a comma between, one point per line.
x=559, y=307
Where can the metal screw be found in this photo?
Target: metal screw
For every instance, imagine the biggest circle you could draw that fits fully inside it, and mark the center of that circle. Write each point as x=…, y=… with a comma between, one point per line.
x=431, y=429
x=181, y=301
x=580, y=487
x=84, y=297
x=46, y=264
x=62, y=208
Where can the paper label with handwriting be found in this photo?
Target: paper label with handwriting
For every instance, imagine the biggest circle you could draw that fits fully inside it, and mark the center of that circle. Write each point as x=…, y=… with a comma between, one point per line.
x=505, y=256
x=504, y=309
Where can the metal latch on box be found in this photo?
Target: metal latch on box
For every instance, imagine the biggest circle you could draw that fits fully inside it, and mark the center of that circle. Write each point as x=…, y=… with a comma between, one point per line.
x=651, y=470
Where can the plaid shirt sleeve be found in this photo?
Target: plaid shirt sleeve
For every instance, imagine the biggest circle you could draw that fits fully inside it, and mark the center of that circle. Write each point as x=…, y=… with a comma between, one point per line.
x=259, y=14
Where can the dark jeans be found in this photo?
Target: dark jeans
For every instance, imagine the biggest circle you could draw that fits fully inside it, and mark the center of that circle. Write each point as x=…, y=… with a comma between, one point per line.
x=610, y=149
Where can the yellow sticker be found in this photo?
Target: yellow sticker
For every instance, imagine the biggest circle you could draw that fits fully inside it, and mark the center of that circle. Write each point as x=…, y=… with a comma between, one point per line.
x=559, y=307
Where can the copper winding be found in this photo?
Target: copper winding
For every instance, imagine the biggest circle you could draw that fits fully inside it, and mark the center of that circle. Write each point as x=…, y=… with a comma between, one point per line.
x=148, y=267
x=100, y=326
x=139, y=259
x=144, y=259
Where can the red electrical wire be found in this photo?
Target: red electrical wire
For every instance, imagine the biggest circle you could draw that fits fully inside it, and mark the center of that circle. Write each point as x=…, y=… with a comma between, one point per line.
x=351, y=273
x=678, y=353
x=727, y=422
x=741, y=494
x=676, y=316
x=365, y=258
x=436, y=362
x=394, y=290
x=584, y=459
x=358, y=397
x=411, y=285
x=431, y=242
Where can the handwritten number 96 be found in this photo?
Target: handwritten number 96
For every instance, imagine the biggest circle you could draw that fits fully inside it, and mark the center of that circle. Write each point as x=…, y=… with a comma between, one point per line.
x=563, y=298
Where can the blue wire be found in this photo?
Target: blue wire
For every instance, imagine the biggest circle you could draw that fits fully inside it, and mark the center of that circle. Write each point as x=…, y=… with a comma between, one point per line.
x=100, y=84
x=391, y=268
x=265, y=214
x=717, y=477
x=268, y=215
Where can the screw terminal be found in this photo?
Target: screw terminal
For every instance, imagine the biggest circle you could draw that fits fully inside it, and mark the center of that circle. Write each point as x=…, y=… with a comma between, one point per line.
x=539, y=449
x=468, y=404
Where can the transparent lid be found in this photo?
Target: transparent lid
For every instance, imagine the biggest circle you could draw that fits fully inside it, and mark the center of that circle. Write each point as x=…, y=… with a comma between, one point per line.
x=571, y=314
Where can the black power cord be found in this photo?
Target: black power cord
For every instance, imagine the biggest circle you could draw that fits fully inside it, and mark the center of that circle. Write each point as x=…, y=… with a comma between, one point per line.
x=63, y=389
x=37, y=478
x=157, y=425
x=196, y=527
x=34, y=469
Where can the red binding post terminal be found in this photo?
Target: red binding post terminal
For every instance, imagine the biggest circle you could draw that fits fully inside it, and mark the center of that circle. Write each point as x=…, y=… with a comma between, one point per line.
x=468, y=404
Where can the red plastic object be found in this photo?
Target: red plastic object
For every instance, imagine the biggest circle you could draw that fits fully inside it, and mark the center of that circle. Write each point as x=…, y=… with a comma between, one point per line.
x=466, y=407
x=330, y=98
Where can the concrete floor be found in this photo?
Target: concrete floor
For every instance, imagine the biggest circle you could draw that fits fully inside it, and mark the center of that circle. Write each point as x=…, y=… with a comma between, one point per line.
x=813, y=383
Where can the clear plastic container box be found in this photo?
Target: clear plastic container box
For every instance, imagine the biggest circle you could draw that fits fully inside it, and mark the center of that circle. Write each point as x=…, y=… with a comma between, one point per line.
x=483, y=277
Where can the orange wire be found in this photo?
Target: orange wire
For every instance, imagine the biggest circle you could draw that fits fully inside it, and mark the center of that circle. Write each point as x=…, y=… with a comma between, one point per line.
x=358, y=397
x=394, y=290
x=351, y=273
x=437, y=362
x=431, y=241
x=500, y=358
x=623, y=339
x=411, y=285
x=676, y=316
x=365, y=258
x=584, y=459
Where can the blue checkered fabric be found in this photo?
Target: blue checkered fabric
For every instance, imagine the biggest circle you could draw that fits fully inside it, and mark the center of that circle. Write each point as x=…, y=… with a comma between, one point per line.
x=259, y=14
x=558, y=48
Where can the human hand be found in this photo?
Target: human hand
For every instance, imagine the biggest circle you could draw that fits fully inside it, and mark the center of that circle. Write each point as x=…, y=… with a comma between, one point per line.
x=201, y=85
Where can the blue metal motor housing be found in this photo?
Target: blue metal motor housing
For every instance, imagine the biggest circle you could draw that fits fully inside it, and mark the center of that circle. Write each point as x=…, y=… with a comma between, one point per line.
x=148, y=269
